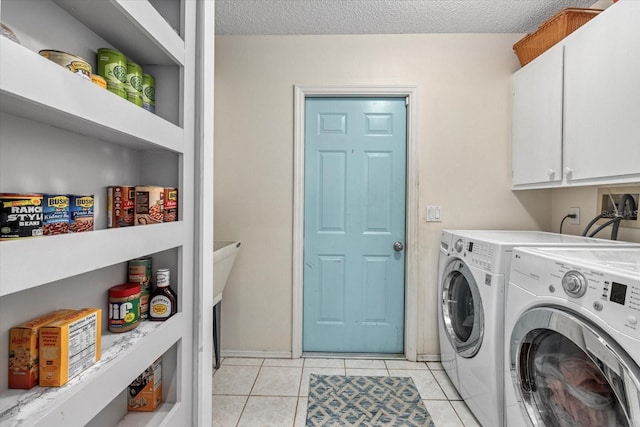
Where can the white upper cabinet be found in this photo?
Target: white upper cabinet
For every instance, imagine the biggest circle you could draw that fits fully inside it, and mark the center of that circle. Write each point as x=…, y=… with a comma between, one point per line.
x=575, y=116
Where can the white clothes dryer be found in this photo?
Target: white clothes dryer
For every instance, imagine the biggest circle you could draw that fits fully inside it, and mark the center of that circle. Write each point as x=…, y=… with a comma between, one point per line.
x=473, y=273
x=573, y=338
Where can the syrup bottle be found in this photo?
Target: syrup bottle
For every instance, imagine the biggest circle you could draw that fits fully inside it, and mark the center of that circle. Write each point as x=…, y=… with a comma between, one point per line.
x=163, y=302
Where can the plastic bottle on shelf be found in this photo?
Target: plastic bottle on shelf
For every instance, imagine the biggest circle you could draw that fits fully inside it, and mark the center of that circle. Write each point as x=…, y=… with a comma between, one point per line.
x=164, y=301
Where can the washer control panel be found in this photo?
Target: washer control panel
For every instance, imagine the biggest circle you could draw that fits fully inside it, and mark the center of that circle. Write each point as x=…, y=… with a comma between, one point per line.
x=478, y=254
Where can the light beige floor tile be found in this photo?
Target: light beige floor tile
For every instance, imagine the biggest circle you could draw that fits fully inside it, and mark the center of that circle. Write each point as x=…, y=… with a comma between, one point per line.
x=301, y=412
x=364, y=364
x=368, y=372
x=236, y=380
x=323, y=363
x=306, y=375
x=269, y=411
x=405, y=364
x=435, y=366
x=242, y=361
x=292, y=363
x=277, y=381
x=227, y=410
x=442, y=413
x=465, y=414
x=424, y=381
x=446, y=385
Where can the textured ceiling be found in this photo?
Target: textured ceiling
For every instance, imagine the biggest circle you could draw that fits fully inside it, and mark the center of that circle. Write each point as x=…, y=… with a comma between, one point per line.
x=261, y=17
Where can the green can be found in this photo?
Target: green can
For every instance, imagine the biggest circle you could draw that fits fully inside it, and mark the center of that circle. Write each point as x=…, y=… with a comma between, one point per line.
x=149, y=93
x=112, y=65
x=134, y=78
x=117, y=88
x=135, y=97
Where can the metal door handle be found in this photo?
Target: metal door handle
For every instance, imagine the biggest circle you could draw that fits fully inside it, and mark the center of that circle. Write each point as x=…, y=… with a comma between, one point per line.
x=398, y=246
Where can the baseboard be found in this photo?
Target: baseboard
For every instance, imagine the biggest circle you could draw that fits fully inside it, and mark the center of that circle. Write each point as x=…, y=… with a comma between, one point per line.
x=428, y=358
x=257, y=354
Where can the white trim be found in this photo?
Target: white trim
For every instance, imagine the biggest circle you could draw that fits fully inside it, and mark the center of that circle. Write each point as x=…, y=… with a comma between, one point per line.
x=257, y=354
x=412, y=212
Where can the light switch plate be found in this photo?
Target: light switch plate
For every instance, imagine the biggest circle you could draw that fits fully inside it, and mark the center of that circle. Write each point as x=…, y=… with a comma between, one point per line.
x=434, y=214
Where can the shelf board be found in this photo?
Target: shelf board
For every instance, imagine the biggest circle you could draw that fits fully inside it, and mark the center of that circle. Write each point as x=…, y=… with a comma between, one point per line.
x=83, y=252
x=42, y=90
x=122, y=22
x=124, y=357
x=160, y=416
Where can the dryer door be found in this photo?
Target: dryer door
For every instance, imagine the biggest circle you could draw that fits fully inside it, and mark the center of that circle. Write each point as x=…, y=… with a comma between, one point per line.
x=462, y=313
x=569, y=373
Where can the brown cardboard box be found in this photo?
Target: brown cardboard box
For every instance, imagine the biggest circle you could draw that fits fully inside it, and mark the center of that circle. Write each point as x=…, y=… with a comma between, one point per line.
x=69, y=345
x=23, y=350
x=145, y=393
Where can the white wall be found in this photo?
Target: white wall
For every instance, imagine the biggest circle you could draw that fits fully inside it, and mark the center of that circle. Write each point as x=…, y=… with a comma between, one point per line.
x=464, y=90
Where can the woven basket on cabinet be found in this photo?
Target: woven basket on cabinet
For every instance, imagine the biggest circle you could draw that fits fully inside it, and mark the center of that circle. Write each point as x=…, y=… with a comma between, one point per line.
x=551, y=32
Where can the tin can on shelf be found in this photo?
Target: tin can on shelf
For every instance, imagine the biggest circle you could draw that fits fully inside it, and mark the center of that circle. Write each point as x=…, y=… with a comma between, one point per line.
x=149, y=205
x=80, y=213
x=124, y=307
x=20, y=215
x=73, y=63
x=55, y=214
x=112, y=65
x=140, y=272
x=121, y=203
x=149, y=93
x=99, y=80
x=134, y=78
x=170, y=212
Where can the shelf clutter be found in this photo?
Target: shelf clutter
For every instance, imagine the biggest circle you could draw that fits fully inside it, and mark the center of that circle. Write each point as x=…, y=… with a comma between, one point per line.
x=551, y=32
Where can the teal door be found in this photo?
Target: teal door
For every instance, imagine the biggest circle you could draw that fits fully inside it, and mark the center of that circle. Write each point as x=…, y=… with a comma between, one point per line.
x=354, y=225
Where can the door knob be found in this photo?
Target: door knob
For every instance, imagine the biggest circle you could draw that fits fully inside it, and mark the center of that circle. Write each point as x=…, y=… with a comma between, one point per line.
x=398, y=246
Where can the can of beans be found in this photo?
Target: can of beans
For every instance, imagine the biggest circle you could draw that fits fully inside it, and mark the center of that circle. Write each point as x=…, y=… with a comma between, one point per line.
x=121, y=202
x=73, y=63
x=149, y=93
x=124, y=307
x=170, y=212
x=20, y=215
x=140, y=272
x=80, y=213
x=149, y=205
x=112, y=65
x=55, y=214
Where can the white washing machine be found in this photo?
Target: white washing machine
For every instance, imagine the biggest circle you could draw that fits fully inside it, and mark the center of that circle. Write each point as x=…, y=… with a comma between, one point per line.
x=573, y=333
x=473, y=272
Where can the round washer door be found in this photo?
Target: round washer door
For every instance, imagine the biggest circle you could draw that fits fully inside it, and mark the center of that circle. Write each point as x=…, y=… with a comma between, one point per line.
x=462, y=312
x=569, y=373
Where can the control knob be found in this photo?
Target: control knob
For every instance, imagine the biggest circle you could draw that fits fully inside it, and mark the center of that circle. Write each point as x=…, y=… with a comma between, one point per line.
x=574, y=284
x=458, y=245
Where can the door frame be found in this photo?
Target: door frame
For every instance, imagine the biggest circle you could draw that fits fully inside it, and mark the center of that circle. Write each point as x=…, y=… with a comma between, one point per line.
x=410, y=93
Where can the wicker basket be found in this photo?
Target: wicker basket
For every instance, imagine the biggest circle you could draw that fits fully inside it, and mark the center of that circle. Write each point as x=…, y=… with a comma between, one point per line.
x=551, y=32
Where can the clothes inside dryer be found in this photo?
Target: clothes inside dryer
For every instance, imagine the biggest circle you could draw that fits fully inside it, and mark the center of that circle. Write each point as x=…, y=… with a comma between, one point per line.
x=569, y=388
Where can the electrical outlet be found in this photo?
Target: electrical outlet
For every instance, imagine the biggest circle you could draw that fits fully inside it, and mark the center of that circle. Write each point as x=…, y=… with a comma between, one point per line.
x=576, y=212
x=609, y=199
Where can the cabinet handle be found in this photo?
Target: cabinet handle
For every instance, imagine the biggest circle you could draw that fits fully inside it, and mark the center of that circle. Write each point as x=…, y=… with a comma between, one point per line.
x=568, y=171
x=551, y=173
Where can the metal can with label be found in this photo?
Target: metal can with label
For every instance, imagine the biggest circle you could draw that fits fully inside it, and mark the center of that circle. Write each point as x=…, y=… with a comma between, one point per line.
x=80, y=213
x=112, y=65
x=133, y=84
x=55, y=214
x=140, y=272
x=149, y=93
x=149, y=205
x=20, y=215
x=121, y=202
x=170, y=212
x=73, y=63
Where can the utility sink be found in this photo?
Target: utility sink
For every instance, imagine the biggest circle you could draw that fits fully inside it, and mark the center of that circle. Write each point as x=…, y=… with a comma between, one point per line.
x=224, y=254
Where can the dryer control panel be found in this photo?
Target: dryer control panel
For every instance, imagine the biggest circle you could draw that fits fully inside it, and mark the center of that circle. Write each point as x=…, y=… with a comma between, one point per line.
x=612, y=297
x=478, y=254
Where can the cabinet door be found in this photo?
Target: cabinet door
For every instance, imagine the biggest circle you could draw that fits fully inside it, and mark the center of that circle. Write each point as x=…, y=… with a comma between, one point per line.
x=602, y=98
x=537, y=122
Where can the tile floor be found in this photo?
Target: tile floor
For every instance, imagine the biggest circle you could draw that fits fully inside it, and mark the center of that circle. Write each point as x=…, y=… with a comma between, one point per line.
x=273, y=392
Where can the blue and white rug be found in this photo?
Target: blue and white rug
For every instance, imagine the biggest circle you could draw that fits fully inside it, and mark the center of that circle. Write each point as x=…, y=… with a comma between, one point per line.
x=336, y=400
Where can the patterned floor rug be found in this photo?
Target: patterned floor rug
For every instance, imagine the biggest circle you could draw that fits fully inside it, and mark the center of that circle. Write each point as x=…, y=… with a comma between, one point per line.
x=336, y=401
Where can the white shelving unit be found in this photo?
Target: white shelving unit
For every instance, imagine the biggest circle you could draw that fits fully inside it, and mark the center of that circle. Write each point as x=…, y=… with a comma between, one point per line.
x=60, y=133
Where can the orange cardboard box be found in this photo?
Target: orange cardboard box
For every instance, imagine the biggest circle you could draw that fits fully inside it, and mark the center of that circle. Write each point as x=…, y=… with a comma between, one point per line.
x=23, y=350
x=69, y=345
x=145, y=393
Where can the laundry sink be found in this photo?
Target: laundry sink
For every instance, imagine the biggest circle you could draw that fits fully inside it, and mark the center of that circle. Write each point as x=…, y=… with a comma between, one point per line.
x=224, y=254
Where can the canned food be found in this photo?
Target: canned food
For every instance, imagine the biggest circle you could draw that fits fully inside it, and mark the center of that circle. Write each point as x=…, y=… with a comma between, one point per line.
x=135, y=98
x=149, y=93
x=20, y=215
x=124, y=307
x=170, y=212
x=55, y=214
x=117, y=89
x=121, y=202
x=75, y=64
x=112, y=65
x=149, y=205
x=99, y=80
x=134, y=78
x=140, y=272
x=80, y=213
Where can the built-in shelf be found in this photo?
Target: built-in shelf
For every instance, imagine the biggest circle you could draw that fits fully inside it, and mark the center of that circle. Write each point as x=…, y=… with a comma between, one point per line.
x=83, y=252
x=42, y=90
x=76, y=402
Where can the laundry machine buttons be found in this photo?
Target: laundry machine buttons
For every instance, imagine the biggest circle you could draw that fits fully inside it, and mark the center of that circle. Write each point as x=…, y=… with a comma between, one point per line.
x=574, y=284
